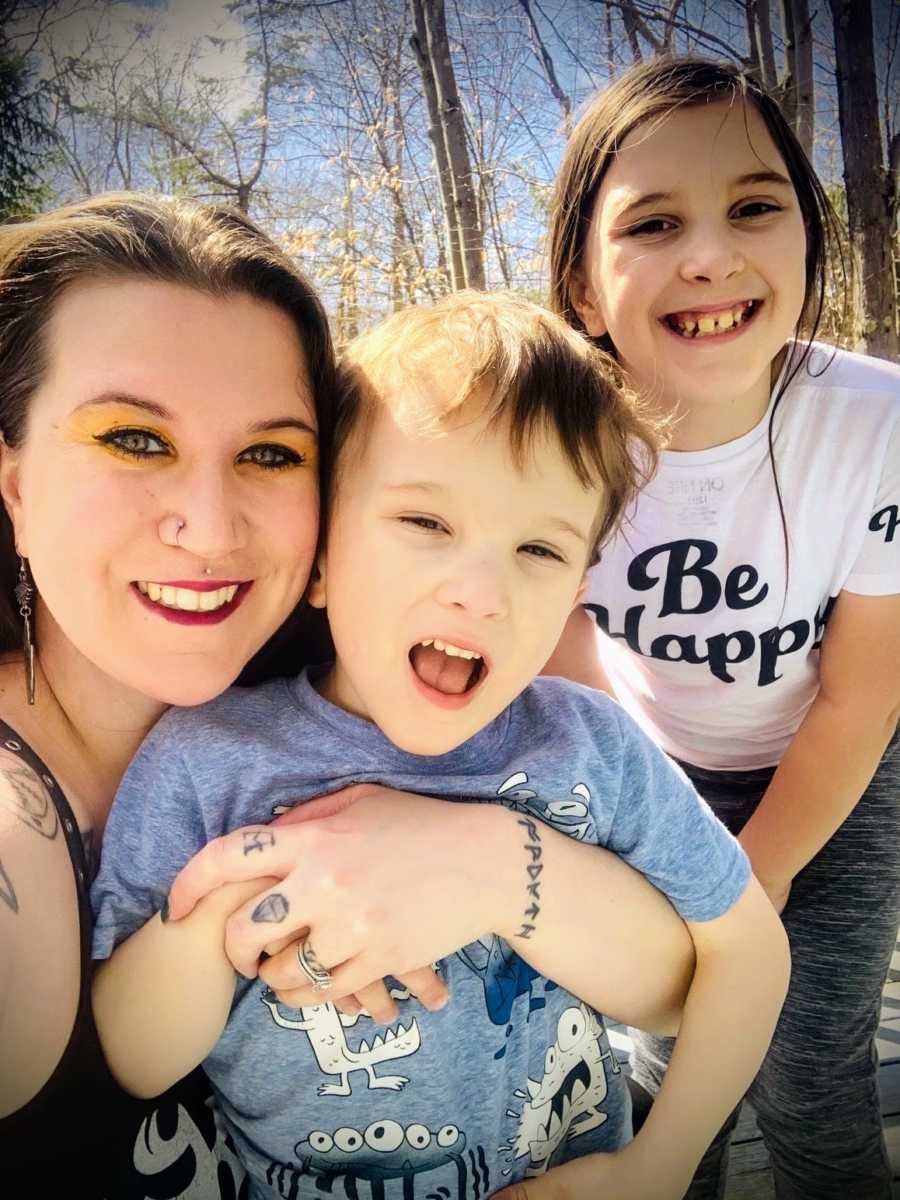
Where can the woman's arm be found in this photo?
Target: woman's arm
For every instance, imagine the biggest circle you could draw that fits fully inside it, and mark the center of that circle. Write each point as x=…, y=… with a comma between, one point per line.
x=837, y=748
x=379, y=904
x=162, y=999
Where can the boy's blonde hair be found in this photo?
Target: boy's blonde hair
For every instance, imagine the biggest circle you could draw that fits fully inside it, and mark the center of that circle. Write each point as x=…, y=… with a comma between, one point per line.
x=520, y=364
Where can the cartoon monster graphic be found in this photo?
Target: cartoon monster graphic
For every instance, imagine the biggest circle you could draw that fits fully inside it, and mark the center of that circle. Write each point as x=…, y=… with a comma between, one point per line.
x=385, y=1151
x=324, y=1025
x=563, y=1104
x=503, y=975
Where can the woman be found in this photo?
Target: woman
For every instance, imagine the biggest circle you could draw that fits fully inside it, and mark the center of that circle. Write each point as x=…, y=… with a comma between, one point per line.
x=166, y=373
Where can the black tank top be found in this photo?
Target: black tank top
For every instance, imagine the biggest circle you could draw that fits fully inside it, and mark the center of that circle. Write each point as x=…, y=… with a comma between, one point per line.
x=77, y=1135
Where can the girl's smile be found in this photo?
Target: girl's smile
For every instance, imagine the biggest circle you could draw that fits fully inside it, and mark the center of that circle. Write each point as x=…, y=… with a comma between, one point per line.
x=696, y=244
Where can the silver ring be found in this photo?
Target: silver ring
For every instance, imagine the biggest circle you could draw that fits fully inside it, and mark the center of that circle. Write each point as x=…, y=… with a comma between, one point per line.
x=313, y=970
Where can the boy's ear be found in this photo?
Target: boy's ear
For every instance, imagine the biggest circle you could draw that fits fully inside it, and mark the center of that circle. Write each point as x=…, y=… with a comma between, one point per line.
x=586, y=303
x=315, y=593
x=10, y=494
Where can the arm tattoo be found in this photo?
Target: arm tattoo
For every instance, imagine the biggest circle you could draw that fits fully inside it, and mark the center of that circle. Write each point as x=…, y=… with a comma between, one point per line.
x=534, y=869
x=258, y=839
x=271, y=910
x=7, y=891
x=30, y=802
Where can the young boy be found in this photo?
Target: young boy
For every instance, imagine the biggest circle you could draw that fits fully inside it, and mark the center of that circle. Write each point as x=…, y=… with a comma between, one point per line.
x=484, y=454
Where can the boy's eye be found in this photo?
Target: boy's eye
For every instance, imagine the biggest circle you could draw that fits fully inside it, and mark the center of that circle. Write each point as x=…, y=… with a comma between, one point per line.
x=134, y=443
x=271, y=456
x=756, y=208
x=429, y=524
x=536, y=550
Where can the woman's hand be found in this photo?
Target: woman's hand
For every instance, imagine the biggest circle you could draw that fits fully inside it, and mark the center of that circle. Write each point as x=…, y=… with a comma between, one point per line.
x=379, y=882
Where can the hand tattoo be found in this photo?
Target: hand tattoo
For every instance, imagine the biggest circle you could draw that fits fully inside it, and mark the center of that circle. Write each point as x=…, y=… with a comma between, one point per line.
x=534, y=869
x=258, y=839
x=271, y=910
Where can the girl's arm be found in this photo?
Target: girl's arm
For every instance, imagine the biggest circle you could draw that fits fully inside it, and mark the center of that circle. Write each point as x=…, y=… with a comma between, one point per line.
x=458, y=871
x=577, y=656
x=163, y=997
x=837, y=748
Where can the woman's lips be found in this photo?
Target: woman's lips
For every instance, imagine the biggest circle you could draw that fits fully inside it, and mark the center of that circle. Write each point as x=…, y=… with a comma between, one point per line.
x=186, y=616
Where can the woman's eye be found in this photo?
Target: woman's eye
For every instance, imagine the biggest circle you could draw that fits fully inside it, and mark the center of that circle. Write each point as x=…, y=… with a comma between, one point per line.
x=271, y=456
x=134, y=443
x=756, y=208
x=536, y=550
x=429, y=524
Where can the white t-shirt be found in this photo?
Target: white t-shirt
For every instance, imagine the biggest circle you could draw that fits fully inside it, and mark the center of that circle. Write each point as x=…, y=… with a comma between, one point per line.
x=712, y=645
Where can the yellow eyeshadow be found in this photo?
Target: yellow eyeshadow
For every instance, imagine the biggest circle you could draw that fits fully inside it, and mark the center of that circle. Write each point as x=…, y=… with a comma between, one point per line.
x=88, y=423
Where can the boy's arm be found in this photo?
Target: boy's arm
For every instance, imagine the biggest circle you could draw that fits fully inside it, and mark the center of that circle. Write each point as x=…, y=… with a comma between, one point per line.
x=729, y=1017
x=162, y=999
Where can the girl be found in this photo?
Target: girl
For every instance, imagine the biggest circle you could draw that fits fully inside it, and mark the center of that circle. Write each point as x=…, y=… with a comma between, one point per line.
x=749, y=608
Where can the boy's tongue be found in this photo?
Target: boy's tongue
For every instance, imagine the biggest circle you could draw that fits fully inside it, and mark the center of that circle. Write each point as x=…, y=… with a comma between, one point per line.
x=440, y=671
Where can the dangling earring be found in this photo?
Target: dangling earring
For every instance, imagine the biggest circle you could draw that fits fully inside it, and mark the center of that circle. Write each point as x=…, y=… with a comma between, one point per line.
x=24, y=596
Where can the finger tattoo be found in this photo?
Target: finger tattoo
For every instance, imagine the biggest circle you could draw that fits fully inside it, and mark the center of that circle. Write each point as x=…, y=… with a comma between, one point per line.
x=533, y=871
x=271, y=910
x=258, y=839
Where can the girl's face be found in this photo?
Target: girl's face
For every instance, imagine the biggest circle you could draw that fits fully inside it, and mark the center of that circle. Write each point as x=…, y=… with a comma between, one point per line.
x=162, y=402
x=695, y=259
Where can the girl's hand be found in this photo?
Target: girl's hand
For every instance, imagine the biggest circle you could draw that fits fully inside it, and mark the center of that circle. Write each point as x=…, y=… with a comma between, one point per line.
x=379, y=881
x=618, y=1175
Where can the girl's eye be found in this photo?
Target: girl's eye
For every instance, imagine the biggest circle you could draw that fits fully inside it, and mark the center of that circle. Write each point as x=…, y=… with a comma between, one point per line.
x=271, y=457
x=429, y=524
x=134, y=443
x=536, y=550
x=654, y=225
x=755, y=208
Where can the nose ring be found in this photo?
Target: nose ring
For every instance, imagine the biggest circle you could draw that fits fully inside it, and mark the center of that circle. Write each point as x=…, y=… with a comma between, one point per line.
x=170, y=529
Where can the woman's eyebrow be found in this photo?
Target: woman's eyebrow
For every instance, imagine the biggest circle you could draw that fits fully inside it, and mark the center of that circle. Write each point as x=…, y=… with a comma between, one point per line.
x=157, y=410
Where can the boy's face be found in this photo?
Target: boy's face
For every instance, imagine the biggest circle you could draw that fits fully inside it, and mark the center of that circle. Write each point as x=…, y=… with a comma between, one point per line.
x=443, y=541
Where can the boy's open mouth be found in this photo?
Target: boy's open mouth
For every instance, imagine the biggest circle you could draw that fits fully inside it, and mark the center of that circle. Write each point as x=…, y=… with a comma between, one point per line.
x=446, y=667
x=690, y=324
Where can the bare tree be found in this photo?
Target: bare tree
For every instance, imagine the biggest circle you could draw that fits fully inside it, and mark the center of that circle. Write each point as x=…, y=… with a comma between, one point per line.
x=871, y=187
x=448, y=135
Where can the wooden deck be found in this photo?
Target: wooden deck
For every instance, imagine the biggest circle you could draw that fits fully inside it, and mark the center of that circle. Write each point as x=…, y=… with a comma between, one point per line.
x=749, y=1175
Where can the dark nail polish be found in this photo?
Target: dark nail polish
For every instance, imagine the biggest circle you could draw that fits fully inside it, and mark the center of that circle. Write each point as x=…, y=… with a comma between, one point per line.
x=164, y=911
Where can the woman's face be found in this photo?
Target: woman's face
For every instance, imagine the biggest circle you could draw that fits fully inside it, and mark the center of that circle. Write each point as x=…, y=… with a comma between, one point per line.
x=161, y=404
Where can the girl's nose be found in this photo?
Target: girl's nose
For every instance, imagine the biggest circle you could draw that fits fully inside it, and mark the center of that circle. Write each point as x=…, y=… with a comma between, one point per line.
x=711, y=256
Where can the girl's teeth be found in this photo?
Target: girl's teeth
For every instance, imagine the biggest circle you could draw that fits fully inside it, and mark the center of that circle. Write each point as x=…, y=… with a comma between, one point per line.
x=186, y=599
x=704, y=324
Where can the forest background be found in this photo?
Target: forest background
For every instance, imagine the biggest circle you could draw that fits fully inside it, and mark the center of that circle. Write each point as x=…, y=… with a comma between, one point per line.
x=403, y=148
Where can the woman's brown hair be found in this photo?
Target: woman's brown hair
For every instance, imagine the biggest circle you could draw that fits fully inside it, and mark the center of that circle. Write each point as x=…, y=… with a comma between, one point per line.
x=131, y=235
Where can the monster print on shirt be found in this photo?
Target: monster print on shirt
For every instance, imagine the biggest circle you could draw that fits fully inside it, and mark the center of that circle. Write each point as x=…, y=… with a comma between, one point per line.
x=564, y=1103
x=324, y=1025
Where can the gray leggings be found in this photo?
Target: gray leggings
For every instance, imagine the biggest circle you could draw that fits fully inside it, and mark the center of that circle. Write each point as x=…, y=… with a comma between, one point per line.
x=816, y=1095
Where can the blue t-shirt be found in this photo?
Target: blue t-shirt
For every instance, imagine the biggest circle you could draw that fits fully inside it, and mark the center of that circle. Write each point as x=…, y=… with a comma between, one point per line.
x=515, y=1074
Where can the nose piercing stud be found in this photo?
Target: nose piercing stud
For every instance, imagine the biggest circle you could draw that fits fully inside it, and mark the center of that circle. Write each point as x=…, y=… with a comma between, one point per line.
x=170, y=529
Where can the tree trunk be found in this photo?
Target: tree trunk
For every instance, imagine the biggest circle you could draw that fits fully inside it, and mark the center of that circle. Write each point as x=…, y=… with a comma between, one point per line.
x=868, y=183
x=797, y=87
x=432, y=47
x=759, y=31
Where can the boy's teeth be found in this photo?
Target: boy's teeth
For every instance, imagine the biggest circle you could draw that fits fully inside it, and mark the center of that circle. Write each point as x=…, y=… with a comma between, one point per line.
x=449, y=648
x=187, y=599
